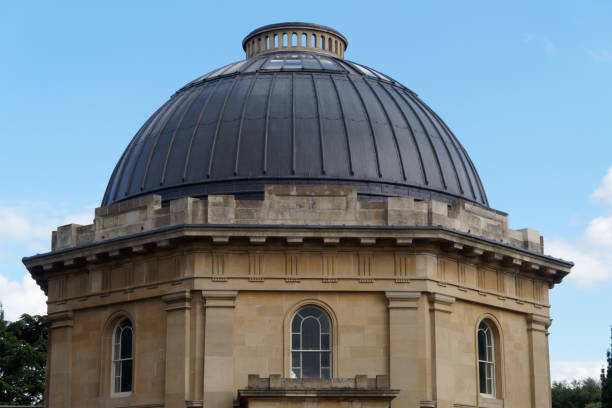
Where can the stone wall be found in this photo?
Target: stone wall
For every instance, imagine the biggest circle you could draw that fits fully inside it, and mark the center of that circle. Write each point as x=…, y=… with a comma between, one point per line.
x=295, y=205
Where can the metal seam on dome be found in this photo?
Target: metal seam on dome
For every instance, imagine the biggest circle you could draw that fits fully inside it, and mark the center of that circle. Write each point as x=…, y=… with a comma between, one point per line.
x=433, y=148
x=197, y=126
x=140, y=151
x=111, y=189
x=318, y=105
x=420, y=104
x=292, y=124
x=219, y=122
x=365, y=110
x=409, y=128
x=242, y=115
x=176, y=129
x=176, y=106
x=397, y=149
x=474, y=173
x=453, y=142
x=267, y=124
x=346, y=132
x=481, y=187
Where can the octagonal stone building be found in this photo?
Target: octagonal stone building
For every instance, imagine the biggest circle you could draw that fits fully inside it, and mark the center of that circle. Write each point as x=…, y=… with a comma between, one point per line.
x=296, y=230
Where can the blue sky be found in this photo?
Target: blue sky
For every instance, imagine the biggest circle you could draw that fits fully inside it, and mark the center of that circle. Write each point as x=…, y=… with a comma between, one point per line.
x=524, y=85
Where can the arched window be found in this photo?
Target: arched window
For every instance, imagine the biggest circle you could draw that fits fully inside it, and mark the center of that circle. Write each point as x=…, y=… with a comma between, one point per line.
x=486, y=359
x=310, y=343
x=123, y=357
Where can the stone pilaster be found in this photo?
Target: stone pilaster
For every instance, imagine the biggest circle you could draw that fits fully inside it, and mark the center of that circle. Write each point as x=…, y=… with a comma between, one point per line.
x=178, y=334
x=59, y=359
x=440, y=307
x=219, y=348
x=537, y=333
x=409, y=369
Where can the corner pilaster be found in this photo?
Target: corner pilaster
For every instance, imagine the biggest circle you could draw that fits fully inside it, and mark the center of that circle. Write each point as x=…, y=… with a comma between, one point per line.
x=537, y=333
x=440, y=308
x=59, y=359
x=408, y=351
x=219, y=348
x=178, y=334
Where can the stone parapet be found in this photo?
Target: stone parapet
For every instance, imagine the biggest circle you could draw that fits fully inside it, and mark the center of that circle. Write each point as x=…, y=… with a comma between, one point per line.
x=314, y=392
x=295, y=205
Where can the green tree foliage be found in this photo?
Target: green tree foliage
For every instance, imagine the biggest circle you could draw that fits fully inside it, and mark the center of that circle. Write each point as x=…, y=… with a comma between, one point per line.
x=23, y=349
x=606, y=380
x=577, y=394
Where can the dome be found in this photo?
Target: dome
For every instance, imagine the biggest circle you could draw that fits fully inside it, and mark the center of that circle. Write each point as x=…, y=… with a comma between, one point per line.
x=295, y=112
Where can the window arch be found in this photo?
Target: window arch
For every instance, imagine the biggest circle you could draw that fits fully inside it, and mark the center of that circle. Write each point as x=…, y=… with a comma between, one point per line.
x=311, y=343
x=122, y=357
x=486, y=359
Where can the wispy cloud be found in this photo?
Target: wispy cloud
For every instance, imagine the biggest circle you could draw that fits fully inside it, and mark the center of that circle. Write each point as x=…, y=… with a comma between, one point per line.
x=544, y=43
x=575, y=370
x=600, y=55
x=592, y=251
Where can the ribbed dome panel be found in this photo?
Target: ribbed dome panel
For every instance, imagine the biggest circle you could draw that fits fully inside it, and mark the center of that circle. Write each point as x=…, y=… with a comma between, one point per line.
x=298, y=118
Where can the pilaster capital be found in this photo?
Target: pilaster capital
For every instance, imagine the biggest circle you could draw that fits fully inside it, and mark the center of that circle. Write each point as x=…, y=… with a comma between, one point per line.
x=177, y=301
x=219, y=298
x=403, y=299
x=440, y=303
x=59, y=319
x=538, y=323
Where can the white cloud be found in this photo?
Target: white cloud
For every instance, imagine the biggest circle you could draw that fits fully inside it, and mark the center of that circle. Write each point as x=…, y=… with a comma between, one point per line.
x=589, y=264
x=600, y=55
x=592, y=251
x=30, y=224
x=603, y=193
x=22, y=297
x=575, y=370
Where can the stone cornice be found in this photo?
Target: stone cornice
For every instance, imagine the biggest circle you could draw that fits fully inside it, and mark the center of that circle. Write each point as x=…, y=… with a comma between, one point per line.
x=478, y=249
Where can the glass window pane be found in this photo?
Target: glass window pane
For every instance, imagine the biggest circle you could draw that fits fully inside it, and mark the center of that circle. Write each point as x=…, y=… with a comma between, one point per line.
x=310, y=334
x=126, y=343
x=292, y=64
x=126, y=375
x=482, y=345
x=325, y=373
x=295, y=359
x=325, y=342
x=324, y=323
x=295, y=341
x=117, y=384
x=490, y=354
x=325, y=359
x=273, y=64
x=310, y=311
x=482, y=378
x=296, y=373
x=310, y=365
x=295, y=324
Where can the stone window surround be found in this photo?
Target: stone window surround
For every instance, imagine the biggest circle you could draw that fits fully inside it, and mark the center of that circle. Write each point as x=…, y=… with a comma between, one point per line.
x=120, y=359
x=106, y=358
x=496, y=400
x=287, y=334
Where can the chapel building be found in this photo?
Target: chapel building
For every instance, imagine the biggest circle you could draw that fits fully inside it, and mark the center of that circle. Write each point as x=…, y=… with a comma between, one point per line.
x=296, y=230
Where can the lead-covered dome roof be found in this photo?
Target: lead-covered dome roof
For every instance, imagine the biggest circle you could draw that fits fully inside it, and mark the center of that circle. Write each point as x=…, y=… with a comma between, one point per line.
x=295, y=115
